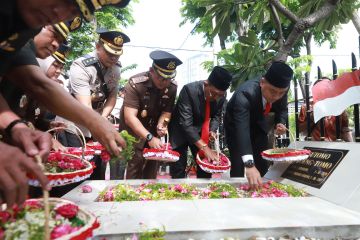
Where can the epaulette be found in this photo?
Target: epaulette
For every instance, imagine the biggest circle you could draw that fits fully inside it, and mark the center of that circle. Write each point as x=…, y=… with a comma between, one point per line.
x=89, y=61
x=139, y=79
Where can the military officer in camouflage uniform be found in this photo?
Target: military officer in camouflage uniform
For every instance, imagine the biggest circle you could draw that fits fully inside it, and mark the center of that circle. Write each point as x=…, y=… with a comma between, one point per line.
x=94, y=77
x=149, y=99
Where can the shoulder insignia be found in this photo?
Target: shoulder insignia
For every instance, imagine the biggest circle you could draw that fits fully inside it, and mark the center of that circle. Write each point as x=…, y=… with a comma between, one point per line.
x=139, y=79
x=89, y=61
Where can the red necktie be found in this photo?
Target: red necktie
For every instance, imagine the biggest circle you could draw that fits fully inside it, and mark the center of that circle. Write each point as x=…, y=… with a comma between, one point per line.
x=267, y=108
x=206, y=124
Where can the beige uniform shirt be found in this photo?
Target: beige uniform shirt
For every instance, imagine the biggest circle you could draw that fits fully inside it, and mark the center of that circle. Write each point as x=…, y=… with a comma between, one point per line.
x=84, y=81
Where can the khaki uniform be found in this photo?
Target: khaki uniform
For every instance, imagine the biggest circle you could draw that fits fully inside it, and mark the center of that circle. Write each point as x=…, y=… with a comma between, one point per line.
x=141, y=94
x=85, y=81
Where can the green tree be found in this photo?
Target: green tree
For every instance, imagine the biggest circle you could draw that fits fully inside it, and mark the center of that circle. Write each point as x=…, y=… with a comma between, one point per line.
x=83, y=40
x=281, y=27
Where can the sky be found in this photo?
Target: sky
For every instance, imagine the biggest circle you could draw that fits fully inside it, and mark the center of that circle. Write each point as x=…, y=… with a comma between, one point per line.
x=157, y=26
x=346, y=44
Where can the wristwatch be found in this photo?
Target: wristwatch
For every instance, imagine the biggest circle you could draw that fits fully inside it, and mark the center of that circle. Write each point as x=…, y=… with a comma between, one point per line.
x=149, y=137
x=249, y=163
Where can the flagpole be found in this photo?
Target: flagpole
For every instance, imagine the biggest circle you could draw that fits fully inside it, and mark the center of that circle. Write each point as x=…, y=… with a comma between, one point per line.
x=356, y=106
x=322, y=125
x=297, y=138
x=337, y=118
x=308, y=111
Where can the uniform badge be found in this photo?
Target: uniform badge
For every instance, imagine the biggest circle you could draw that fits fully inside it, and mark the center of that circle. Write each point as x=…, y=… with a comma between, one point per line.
x=37, y=112
x=171, y=65
x=106, y=2
x=6, y=46
x=75, y=24
x=143, y=113
x=118, y=40
x=23, y=101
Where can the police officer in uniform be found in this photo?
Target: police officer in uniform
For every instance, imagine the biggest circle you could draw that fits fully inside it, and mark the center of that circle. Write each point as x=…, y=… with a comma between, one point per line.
x=149, y=99
x=94, y=77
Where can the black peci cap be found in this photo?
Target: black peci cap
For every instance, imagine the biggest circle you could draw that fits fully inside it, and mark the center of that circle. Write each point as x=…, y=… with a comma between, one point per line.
x=113, y=40
x=88, y=7
x=165, y=63
x=61, y=54
x=64, y=28
x=220, y=78
x=279, y=75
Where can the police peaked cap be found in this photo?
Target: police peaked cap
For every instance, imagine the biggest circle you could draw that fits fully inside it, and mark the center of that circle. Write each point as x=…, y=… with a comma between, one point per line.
x=113, y=40
x=220, y=78
x=279, y=75
x=165, y=63
x=88, y=7
x=62, y=53
x=64, y=28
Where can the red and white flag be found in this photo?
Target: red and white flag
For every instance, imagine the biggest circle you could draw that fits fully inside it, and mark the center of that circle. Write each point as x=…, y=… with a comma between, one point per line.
x=331, y=98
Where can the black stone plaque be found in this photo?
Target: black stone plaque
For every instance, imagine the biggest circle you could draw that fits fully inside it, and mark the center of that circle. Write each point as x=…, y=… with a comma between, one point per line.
x=317, y=168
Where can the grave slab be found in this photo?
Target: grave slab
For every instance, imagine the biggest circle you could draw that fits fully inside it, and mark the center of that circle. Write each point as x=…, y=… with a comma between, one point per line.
x=337, y=172
x=218, y=218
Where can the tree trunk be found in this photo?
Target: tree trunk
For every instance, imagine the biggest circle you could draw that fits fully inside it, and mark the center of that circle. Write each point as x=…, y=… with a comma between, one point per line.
x=222, y=43
x=308, y=39
x=356, y=21
x=242, y=28
x=301, y=25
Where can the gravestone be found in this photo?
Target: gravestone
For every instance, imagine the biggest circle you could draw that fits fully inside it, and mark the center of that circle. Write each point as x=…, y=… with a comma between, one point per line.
x=332, y=172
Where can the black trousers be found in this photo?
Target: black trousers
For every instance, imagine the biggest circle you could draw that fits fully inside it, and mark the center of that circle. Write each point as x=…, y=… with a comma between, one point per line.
x=69, y=139
x=237, y=164
x=177, y=169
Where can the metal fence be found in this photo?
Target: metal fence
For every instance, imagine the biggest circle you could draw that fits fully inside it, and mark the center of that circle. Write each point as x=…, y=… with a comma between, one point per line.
x=296, y=108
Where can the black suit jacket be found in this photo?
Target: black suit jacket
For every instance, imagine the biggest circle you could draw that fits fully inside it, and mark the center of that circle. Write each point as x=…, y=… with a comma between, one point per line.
x=189, y=115
x=245, y=124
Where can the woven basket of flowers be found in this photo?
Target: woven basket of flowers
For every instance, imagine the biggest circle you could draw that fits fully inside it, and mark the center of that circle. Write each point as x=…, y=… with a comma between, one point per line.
x=63, y=169
x=165, y=154
x=96, y=146
x=66, y=221
x=285, y=154
x=78, y=151
x=220, y=166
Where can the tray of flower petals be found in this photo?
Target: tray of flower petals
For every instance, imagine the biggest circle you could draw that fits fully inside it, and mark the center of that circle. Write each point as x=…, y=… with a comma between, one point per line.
x=216, y=190
x=67, y=221
x=96, y=146
x=62, y=169
x=88, y=152
x=165, y=154
x=223, y=165
x=285, y=154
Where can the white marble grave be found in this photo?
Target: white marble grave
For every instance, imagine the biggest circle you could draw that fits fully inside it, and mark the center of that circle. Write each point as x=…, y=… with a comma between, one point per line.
x=218, y=218
x=343, y=185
